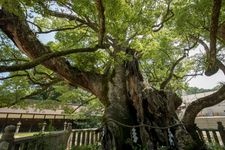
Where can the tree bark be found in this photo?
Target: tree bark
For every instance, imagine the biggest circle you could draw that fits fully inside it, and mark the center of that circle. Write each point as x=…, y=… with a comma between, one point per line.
x=16, y=28
x=195, y=107
x=129, y=106
x=149, y=112
x=212, y=67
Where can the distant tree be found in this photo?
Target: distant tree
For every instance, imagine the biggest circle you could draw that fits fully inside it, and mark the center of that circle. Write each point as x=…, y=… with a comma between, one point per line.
x=195, y=90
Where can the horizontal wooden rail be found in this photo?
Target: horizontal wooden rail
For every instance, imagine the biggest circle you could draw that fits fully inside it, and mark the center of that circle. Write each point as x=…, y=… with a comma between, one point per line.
x=6, y=115
x=50, y=141
x=215, y=136
x=80, y=137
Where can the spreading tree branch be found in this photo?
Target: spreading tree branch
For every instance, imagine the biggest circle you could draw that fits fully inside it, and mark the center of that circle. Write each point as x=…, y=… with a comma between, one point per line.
x=13, y=76
x=43, y=58
x=63, y=28
x=167, y=80
x=171, y=73
x=38, y=81
x=206, y=48
x=18, y=30
x=196, y=106
x=187, y=75
x=82, y=104
x=211, y=56
x=59, y=29
x=73, y=17
x=36, y=92
x=101, y=17
x=169, y=14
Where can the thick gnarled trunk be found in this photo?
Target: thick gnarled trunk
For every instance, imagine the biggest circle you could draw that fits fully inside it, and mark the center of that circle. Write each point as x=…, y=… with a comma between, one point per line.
x=141, y=118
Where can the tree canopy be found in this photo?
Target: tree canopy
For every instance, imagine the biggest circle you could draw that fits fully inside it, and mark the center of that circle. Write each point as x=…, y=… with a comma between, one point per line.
x=126, y=53
x=76, y=31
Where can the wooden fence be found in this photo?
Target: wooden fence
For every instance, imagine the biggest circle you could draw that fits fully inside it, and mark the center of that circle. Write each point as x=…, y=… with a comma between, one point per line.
x=80, y=137
x=54, y=140
x=215, y=136
x=43, y=142
x=59, y=140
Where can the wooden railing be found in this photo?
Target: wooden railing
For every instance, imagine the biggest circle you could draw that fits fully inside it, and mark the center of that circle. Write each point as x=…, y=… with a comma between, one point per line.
x=80, y=137
x=55, y=140
x=69, y=138
x=51, y=141
x=215, y=136
x=6, y=115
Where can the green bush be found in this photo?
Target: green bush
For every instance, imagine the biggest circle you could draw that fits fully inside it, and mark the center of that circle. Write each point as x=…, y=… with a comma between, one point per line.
x=213, y=146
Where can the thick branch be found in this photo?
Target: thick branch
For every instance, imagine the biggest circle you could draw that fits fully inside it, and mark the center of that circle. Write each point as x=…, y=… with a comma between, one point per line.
x=83, y=103
x=195, y=107
x=43, y=81
x=214, y=27
x=211, y=56
x=58, y=29
x=221, y=65
x=188, y=75
x=63, y=28
x=88, y=23
x=43, y=58
x=221, y=31
x=13, y=76
x=20, y=33
x=169, y=14
x=206, y=48
x=101, y=17
x=167, y=80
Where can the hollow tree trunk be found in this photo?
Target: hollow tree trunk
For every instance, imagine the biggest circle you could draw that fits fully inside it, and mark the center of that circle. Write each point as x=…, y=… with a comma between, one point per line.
x=135, y=109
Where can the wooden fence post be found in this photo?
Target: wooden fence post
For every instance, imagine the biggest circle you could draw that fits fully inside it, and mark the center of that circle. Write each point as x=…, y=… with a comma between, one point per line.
x=43, y=126
x=7, y=139
x=18, y=125
x=65, y=125
x=199, y=132
x=221, y=131
x=69, y=140
x=69, y=127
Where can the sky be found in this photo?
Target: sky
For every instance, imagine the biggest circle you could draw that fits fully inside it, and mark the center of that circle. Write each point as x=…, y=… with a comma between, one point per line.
x=205, y=82
x=208, y=82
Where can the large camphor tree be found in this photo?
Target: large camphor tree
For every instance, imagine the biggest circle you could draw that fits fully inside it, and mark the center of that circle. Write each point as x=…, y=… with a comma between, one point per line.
x=98, y=45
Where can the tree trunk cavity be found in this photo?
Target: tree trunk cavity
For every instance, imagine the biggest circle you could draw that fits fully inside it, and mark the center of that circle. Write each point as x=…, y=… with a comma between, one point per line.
x=139, y=117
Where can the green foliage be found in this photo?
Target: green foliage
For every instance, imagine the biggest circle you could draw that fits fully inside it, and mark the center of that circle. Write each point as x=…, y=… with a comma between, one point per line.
x=193, y=16
x=128, y=24
x=212, y=146
x=13, y=90
x=44, y=141
x=195, y=90
x=159, y=54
